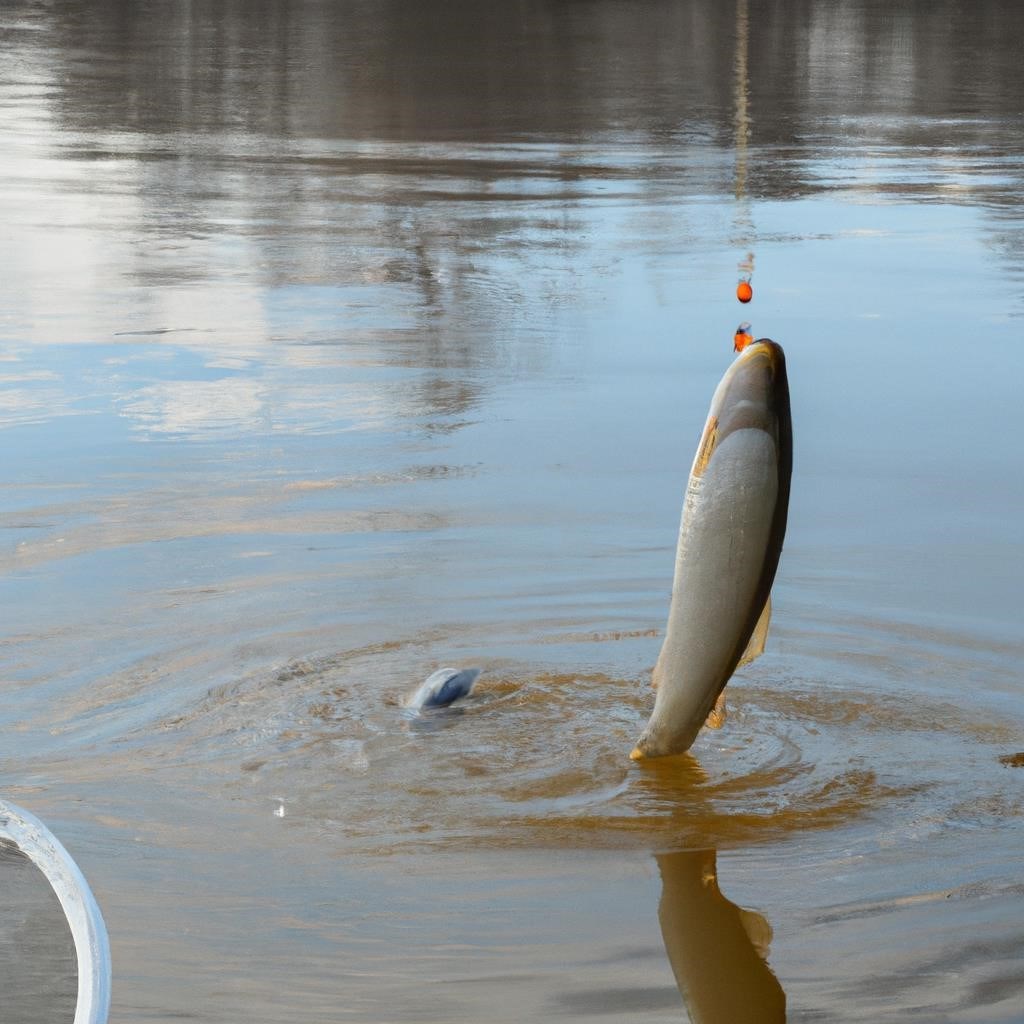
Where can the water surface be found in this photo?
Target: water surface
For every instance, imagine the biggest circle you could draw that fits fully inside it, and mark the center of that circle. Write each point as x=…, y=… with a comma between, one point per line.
x=339, y=342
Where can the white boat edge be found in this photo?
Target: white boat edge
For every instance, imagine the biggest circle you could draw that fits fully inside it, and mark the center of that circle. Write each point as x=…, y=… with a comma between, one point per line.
x=92, y=946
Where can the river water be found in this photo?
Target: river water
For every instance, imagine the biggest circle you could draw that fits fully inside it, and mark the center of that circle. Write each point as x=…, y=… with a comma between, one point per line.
x=342, y=341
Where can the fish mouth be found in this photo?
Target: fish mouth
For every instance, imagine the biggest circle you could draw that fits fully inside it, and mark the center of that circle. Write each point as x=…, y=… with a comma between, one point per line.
x=753, y=377
x=763, y=348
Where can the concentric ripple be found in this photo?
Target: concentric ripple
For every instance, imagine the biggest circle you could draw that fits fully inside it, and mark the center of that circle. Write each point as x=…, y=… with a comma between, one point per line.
x=538, y=756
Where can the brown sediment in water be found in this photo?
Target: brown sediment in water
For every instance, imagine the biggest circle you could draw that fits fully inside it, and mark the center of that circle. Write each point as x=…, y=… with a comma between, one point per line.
x=538, y=758
x=600, y=637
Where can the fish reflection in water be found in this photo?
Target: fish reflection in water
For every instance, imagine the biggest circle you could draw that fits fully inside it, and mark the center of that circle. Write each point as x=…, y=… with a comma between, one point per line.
x=717, y=950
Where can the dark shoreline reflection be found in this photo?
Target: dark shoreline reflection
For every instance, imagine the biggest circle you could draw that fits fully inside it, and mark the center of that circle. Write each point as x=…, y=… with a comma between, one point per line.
x=462, y=71
x=718, y=951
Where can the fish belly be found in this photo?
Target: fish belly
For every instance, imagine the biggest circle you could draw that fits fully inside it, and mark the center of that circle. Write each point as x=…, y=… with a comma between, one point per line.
x=723, y=545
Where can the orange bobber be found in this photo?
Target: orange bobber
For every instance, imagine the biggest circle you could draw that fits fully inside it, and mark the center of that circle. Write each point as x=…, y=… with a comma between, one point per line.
x=744, y=292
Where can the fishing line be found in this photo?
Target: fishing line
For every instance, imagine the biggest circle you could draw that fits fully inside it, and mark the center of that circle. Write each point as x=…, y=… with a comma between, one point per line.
x=741, y=122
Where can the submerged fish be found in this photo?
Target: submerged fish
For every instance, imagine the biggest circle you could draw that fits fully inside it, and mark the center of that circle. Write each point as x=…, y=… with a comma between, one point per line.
x=442, y=688
x=730, y=539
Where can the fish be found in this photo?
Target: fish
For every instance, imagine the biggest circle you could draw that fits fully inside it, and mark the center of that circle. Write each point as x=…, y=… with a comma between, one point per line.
x=730, y=539
x=441, y=688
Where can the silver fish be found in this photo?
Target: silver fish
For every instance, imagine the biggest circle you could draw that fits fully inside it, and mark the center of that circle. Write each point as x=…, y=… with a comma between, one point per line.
x=442, y=688
x=730, y=539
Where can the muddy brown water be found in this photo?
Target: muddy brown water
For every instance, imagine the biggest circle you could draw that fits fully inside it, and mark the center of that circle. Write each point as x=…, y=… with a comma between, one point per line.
x=339, y=342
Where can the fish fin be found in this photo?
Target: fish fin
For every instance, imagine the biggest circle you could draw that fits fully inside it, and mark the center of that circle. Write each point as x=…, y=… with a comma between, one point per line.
x=758, y=930
x=755, y=645
x=706, y=448
x=718, y=714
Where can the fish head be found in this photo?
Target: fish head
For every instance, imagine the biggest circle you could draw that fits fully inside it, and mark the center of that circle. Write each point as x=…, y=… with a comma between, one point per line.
x=752, y=391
